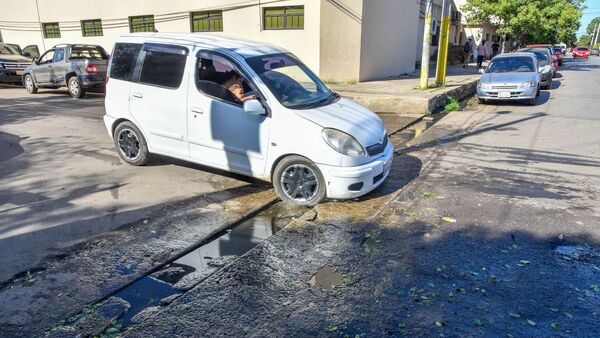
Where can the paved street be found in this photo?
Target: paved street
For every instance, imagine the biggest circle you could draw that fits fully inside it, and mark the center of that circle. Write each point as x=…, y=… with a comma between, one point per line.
x=498, y=236
x=488, y=225
x=63, y=182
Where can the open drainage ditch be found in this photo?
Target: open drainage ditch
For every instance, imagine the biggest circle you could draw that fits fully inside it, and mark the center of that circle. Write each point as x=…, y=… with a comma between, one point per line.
x=159, y=288
x=138, y=300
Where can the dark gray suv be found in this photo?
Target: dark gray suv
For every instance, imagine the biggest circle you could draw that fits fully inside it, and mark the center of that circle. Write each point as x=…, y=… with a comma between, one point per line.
x=78, y=67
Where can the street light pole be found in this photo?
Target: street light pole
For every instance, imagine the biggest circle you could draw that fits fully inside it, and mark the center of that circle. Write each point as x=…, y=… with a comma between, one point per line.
x=597, y=32
x=426, y=44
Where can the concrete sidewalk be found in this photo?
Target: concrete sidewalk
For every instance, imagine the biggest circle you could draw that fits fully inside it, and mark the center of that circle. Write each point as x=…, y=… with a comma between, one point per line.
x=401, y=95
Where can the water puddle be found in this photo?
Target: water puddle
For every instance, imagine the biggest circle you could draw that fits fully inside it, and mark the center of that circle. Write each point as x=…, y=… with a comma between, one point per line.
x=175, y=278
x=326, y=278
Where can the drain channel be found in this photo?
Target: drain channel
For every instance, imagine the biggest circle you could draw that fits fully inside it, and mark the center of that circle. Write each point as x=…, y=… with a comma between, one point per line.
x=158, y=289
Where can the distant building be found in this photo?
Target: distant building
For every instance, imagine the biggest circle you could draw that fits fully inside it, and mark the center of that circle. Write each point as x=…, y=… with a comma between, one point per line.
x=341, y=40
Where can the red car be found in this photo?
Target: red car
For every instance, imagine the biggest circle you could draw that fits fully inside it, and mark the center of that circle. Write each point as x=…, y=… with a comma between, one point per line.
x=551, y=50
x=581, y=52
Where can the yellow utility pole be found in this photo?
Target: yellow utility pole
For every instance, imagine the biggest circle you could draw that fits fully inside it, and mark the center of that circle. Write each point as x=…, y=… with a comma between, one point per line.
x=426, y=45
x=442, y=60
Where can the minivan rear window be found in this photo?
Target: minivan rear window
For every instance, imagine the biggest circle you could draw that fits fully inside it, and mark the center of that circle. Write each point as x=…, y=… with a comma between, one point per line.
x=123, y=60
x=163, y=69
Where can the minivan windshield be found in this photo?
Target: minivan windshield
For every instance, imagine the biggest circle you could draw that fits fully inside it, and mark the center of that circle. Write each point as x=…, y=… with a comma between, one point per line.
x=292, y=83
x=511, y=64
x=6, y=49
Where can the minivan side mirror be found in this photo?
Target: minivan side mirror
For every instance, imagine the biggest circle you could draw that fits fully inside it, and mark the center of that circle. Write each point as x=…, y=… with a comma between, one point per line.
x=254, y=107
x=35, y=60
x=481, y=70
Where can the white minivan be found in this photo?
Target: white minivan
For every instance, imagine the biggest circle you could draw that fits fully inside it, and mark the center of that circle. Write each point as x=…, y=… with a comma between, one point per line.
x=244, y=107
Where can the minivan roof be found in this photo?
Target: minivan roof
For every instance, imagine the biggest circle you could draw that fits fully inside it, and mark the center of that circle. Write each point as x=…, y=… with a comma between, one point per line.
x=244, y=48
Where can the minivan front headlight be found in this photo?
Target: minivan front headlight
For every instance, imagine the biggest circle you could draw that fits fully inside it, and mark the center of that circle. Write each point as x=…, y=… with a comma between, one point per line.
x=527, y=84
x=343, y=143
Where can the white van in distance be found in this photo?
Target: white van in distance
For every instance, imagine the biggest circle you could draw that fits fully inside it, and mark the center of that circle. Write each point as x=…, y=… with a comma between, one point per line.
x=244, y=107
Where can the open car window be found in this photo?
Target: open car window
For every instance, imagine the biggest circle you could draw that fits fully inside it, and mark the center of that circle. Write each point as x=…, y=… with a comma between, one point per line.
x=215, y=76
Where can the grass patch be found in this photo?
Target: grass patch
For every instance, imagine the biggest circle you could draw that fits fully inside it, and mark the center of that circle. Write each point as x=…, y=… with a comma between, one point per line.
x=451, y=104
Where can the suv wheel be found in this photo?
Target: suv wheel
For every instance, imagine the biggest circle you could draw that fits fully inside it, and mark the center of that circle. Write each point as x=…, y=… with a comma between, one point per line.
x=298, y=180
x=30, y=85
x=75, y=88
x=130, y=144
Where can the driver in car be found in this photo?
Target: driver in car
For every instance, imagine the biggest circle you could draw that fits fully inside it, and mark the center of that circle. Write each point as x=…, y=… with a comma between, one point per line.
x=235, y=85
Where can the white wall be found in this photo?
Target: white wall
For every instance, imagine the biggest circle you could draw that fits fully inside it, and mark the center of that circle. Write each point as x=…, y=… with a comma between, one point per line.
x=240, y=19
x=389, y=28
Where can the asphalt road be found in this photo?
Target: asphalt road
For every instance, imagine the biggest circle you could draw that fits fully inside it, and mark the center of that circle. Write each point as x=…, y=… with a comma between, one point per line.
x=62, y=181
x=499, y=235
x=488, y=226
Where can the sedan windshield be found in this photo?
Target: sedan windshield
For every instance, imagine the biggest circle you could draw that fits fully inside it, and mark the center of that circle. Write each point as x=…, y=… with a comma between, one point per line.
x=511, y=64
x=292, y=83
x=5, y=49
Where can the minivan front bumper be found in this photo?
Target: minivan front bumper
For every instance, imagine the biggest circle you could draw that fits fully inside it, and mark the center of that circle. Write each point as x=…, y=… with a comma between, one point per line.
x=351, y=182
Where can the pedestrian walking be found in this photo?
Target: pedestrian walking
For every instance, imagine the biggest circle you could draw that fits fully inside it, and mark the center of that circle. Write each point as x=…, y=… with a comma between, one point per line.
x=495, y=48
x=467, y=49
x=481, y=54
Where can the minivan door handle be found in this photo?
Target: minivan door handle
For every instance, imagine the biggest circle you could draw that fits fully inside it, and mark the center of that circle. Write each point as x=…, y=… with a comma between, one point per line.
x=196, y=110
x=137, y=95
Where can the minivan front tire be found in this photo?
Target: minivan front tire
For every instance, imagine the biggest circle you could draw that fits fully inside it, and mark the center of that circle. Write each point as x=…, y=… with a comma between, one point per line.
x=298, y=180
x=131, y=144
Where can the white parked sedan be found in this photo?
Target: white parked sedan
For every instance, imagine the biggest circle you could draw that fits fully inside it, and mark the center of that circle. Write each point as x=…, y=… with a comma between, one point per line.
x=244, y=107
x=512, y=76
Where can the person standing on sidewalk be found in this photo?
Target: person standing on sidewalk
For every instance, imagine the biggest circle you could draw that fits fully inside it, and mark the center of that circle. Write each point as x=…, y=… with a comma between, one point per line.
x=481, y=54
x=468, y=48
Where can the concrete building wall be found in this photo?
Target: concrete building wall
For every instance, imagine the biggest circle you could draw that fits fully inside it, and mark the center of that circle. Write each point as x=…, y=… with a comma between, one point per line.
x=342, y=40
x=240, y=19
x=341, y=29
x=388, y=38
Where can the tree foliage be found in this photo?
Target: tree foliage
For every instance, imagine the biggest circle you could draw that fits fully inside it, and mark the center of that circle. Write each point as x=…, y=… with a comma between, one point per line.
x=592, y=25
x=528, y=21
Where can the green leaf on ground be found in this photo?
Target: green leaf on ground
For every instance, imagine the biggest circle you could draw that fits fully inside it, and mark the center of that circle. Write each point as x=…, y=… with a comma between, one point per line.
x=554, y=325
x=531, y=322
x=449, y=219
x=514, y=315
x=478, y=322
x=331, y=329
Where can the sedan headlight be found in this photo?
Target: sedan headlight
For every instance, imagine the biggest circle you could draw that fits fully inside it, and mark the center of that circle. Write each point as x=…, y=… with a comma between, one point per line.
x=528, y=84
x=2, y=66
x=544, y=69
x=484, y=85
x=343, y=143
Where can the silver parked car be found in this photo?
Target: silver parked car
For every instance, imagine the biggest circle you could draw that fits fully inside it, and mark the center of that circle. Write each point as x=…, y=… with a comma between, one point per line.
x=544, y=65
x=512, y=76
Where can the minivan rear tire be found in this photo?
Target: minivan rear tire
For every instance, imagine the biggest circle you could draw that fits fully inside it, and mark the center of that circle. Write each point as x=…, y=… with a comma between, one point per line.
x=131, y=144
x=293, y=180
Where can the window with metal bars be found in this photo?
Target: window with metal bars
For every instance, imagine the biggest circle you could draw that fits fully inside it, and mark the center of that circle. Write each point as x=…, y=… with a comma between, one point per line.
x=142, y=23
x=208, y=21
x=51, y=30
x=91, y=27
x=291, y=17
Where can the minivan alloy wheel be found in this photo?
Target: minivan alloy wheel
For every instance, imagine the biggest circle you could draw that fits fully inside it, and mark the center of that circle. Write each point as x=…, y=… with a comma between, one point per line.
x=129, y=145
x=299, y=182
